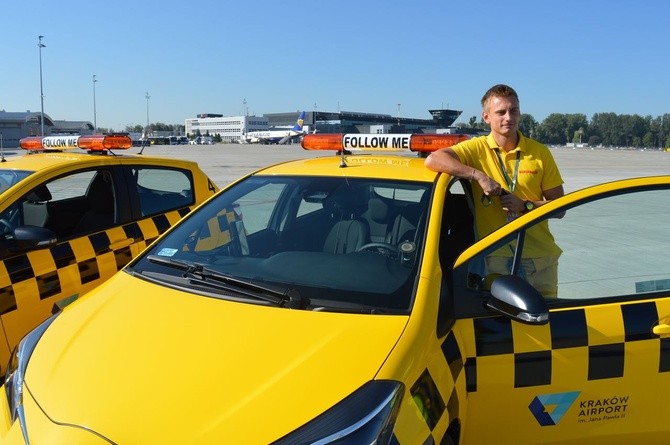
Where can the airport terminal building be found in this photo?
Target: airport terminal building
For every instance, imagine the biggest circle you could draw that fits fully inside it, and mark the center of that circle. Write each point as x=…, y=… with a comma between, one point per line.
x=17, y=125
x=232, y=128
x=229, y=128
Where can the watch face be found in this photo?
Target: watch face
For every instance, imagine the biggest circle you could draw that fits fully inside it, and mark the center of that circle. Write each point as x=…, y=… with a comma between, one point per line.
x=530, y=205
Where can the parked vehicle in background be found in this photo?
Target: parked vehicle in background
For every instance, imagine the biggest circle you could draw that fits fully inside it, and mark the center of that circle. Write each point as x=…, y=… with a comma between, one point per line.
x=70, y=220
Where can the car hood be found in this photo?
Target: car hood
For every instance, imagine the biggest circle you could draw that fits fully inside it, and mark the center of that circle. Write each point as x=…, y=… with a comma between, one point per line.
x=142, y=363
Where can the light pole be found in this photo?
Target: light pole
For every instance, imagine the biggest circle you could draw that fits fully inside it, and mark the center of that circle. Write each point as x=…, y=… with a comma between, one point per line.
x=95, y=117
x=147, y=97
x=41, y=45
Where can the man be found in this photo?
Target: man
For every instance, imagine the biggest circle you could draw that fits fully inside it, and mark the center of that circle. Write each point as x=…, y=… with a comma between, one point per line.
x=513, y=174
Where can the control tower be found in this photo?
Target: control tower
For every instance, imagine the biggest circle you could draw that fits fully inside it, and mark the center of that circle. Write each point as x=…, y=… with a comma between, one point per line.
x=445, y=117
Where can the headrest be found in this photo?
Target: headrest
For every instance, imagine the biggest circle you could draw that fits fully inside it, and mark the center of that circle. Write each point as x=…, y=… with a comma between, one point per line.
x=40, y=194
x=100, y=195
x=349, y=201
x=378, y=210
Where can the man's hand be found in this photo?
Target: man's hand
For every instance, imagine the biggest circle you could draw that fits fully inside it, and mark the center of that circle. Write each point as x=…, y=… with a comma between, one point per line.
x=488, y=185
x=511, y=203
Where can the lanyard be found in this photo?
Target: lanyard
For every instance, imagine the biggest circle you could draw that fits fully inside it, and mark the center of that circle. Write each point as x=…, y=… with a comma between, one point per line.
x=510, y=183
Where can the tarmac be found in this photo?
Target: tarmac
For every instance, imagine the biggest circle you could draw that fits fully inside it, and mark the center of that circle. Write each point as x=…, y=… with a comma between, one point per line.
x=580, y=167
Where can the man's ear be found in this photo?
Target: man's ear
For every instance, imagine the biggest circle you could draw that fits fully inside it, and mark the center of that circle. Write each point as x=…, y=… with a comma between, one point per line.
x=485, y=117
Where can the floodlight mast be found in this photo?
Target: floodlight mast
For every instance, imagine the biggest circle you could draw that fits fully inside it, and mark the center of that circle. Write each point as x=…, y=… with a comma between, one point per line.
x=41, y=45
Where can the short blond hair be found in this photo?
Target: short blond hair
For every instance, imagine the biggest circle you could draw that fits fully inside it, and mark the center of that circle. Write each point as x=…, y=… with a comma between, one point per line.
x=499, y=90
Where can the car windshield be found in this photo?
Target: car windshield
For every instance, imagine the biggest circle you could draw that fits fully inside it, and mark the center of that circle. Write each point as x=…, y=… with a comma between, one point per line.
x=10, y=177
x=339, y=244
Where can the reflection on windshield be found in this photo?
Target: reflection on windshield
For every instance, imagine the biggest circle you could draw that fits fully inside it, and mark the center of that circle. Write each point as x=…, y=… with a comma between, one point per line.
x=335, y=240
x=10, y=177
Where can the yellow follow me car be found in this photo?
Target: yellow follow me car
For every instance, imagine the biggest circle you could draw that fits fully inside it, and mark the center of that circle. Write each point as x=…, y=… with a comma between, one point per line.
x=344, y=299
x=69, y=220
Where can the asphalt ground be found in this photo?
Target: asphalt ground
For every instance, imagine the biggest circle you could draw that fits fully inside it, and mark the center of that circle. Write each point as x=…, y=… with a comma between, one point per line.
x=580, y=167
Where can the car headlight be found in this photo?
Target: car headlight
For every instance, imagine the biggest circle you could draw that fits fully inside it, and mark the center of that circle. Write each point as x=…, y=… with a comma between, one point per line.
x=16, y=370
x=365, y=417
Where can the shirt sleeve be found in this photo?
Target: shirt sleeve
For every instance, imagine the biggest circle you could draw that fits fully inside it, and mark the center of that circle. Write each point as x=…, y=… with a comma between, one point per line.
x=466, y=152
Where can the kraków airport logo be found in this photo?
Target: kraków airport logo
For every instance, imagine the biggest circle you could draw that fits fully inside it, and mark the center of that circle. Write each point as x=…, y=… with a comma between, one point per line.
x=549, y=409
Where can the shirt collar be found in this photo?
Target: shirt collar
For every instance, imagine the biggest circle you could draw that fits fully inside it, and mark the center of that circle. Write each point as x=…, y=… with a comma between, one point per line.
x=521, y=146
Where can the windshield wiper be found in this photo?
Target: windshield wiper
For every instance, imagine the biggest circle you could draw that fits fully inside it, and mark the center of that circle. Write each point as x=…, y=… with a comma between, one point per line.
x=288, y=298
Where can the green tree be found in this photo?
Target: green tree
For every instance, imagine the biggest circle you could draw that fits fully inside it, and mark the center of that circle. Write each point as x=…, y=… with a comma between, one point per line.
x=632, y=128
x=648, y=140
x=665, y=130
x=605, y=125
x=575, y=124
x=527, y=125
x=595, y=141
x=134, y=129
x=552, y=130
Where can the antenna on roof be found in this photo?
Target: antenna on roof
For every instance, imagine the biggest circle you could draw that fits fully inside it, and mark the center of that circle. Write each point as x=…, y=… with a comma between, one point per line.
x=145, y=138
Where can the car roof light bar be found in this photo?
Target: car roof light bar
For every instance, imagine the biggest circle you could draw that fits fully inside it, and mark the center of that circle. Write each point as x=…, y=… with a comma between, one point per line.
x=423, y=143
x=97, y=142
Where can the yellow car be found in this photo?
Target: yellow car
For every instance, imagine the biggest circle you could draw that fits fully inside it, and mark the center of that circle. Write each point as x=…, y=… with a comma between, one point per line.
x=69, y=221
x=344, y=299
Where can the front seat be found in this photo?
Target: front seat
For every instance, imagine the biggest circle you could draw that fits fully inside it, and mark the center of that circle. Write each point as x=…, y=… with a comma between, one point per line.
x=100, y=199
x=346, y=236
x=35, y=207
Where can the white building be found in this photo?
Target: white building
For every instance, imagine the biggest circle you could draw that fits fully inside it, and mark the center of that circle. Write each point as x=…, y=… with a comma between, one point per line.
x=230, y=128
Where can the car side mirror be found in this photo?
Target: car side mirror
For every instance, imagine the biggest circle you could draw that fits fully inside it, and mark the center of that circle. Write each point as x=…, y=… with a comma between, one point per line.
x=32, y=237
x=515, y=298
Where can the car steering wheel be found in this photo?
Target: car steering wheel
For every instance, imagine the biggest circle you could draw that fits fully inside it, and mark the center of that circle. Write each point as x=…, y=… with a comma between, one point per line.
x=385, y=249
x=6, y=226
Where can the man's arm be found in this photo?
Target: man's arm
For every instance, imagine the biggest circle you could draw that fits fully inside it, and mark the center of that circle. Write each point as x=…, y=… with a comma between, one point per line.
x=513, y=203
x=446, y=160
x=551, y=194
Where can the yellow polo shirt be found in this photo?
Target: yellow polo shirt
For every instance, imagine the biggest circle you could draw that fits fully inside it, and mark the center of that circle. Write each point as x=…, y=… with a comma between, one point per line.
x=537, y=171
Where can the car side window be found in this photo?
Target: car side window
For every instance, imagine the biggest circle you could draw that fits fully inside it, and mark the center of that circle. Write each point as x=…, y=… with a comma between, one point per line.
x=163, y=189
x=258, y=206
x=71, y=205
x=611, y=247
x=614, y=246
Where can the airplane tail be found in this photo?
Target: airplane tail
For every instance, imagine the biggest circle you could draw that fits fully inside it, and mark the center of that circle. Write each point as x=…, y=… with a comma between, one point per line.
x=299, y=122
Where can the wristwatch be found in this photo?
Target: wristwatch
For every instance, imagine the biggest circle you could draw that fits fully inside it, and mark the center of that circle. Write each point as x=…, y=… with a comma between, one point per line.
x=529, y=205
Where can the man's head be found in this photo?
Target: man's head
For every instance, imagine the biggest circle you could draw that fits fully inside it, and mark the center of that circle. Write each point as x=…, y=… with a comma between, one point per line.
x=500, y=90
x=501, y=110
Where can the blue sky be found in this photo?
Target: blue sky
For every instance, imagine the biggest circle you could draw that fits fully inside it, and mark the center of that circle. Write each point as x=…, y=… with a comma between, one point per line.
x=568, y=56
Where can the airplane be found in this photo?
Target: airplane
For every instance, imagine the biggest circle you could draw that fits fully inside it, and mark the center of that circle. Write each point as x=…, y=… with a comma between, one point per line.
x=275, y=136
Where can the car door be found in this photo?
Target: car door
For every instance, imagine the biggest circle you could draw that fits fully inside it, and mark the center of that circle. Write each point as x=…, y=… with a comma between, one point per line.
x=79, y=214
x=160, y=196
x=598, y=369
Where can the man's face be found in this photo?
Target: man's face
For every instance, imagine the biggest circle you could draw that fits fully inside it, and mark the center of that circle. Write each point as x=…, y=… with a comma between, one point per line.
x=502, y=114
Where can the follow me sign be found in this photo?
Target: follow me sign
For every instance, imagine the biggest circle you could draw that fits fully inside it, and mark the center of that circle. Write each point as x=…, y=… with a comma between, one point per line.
x=384, y=142
x=60, y=142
